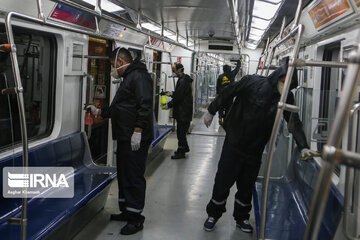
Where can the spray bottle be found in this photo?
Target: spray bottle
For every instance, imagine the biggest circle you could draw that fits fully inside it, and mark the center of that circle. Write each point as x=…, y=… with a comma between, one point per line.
x=163, y=100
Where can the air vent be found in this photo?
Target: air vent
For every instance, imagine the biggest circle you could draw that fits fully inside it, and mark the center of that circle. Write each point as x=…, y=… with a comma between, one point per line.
x=221, y=47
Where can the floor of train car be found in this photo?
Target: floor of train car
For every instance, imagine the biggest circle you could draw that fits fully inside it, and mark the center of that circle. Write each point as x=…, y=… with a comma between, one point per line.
x=177, y=194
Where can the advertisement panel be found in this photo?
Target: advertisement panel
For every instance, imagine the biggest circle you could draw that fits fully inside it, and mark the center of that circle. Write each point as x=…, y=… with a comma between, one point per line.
x=326, y=12
x=72, y=16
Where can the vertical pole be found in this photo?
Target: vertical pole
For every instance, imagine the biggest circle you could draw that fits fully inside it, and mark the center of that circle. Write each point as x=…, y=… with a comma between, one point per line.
x=138, y=25
x=297, y=14
x=266, y=55
x=40, y=11
x=349, y=176
x=271, y=58
x=274, y=132
x=282, y=27
x=21, y=106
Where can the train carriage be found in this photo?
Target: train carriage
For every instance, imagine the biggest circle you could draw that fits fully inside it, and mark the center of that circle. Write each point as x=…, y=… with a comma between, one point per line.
x=55, y=61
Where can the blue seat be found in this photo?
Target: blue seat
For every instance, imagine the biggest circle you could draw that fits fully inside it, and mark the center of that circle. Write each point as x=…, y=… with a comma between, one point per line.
x=160, y=132
x=289, y=203
x=47, y=214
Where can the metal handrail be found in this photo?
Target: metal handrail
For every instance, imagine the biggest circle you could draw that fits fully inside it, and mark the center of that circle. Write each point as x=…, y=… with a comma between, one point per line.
x=275, y=130
x=247, y=62
x=166, y=78
x=263, y=54
x=266, y=55
x=20, y=99
x=40, y=10
x=114, y=20
x=298, y=30
x=274, y=48
x=309, y=63
x=234, y=22
x=349, y=181
x=91, y=99
x=331, y=153
x=282, y=27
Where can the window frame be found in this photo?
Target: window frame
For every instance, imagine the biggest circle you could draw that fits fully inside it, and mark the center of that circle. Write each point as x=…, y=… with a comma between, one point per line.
x=51, y=90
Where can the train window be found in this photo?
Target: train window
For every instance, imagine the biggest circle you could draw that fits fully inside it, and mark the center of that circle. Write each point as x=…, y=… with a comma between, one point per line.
x=36, y=54
x=328, y=96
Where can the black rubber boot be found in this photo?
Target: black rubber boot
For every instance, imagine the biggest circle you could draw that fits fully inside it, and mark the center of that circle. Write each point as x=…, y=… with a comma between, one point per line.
x=178, y=155
x=132, y=228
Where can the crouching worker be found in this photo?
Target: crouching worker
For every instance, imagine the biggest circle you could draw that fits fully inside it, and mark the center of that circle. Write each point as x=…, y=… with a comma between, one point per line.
x=248, y=129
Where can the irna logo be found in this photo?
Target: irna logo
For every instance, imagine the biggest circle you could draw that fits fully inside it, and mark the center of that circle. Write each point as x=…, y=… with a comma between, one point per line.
x=17, y=180
x=38, y=182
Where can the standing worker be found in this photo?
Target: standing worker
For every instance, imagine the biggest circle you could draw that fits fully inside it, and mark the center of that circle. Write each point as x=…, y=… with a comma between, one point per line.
x=131, y=114
x=224, y=80
x=248, y=129
x=182, y=103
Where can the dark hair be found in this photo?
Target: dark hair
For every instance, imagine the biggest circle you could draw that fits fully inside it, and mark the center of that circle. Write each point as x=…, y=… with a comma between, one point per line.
x=123, y=53
x=179, y=66
x=226, y=68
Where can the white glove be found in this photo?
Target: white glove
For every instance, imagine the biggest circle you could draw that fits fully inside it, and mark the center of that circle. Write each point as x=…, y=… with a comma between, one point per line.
x=307, y=153
x=169, y=94
x=208, y=119
x=94, y=110
x=165, y=106
x=135, y=141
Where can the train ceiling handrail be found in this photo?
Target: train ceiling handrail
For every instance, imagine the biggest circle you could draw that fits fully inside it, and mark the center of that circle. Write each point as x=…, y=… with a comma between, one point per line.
x=122, y=22
x=297, y=30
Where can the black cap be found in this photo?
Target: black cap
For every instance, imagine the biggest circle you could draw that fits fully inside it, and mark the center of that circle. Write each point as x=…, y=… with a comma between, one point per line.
x=282, y=71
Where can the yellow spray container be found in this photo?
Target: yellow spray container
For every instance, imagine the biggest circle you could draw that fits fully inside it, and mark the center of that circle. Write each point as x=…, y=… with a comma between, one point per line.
x=163, y=100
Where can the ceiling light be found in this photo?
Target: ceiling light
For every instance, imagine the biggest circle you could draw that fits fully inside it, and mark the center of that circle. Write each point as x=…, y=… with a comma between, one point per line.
x=182, y=40
x=169, y=34
x=254, y=37
x=151, y=27
x=259, y=23
x=172, y=37
x=106, y=5
x=256, y=32
x=251, y=46
x=265, y=10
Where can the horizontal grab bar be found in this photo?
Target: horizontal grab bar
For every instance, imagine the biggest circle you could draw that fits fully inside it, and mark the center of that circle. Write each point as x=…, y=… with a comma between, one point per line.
x=288, y=107
x=308, y=63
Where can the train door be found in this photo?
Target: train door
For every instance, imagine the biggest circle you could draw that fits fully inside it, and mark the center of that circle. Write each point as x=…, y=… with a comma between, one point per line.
x=328, y=95
x=156, y=76
x=98, y=94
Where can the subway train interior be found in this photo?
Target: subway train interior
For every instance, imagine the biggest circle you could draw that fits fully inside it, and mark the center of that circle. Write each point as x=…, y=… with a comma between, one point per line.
x=56, y=60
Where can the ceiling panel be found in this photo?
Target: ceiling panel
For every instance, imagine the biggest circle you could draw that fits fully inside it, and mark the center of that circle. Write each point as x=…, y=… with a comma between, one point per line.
x=198, y=17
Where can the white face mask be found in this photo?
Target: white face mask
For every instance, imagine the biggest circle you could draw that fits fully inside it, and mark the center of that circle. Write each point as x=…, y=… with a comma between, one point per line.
x=114, y=71
x=280, y=86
